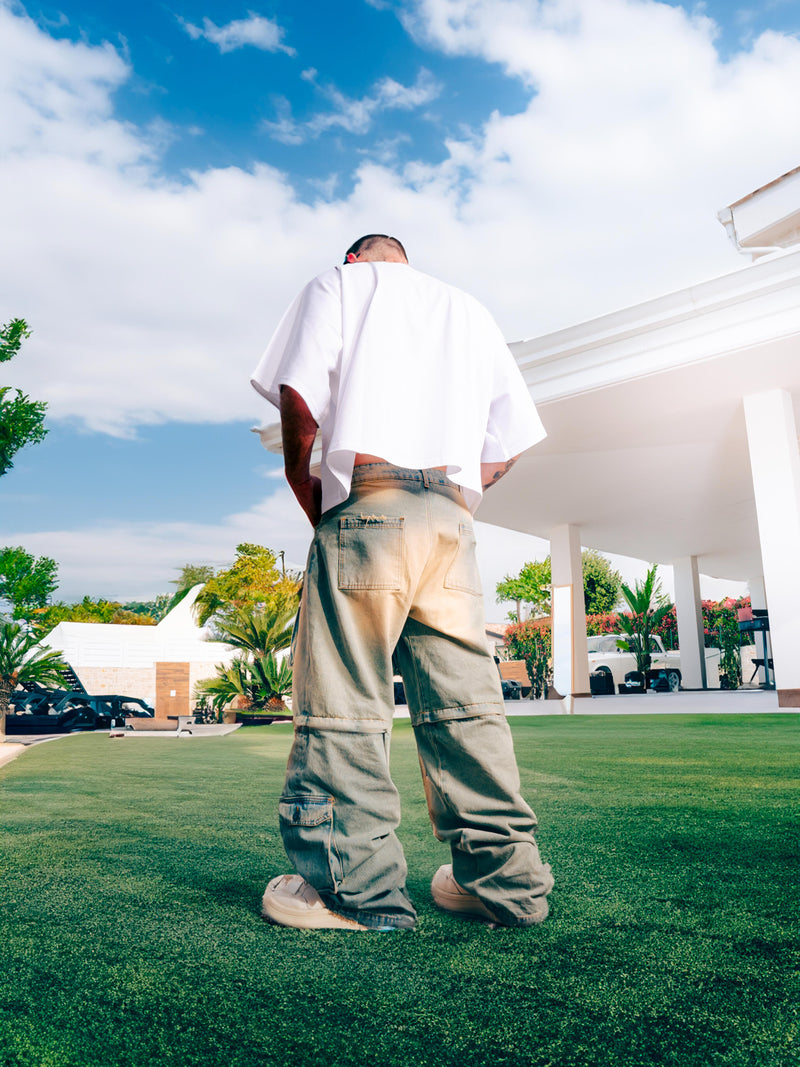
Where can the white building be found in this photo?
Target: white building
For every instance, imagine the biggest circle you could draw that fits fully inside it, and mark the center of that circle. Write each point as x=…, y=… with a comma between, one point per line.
x=160, y=664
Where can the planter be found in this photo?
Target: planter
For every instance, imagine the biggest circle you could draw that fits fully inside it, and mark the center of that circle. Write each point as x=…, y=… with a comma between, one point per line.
x=262, y=718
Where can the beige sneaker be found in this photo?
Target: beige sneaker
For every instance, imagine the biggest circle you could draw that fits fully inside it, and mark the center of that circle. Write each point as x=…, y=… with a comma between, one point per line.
x=289, y=900
x=449, y=895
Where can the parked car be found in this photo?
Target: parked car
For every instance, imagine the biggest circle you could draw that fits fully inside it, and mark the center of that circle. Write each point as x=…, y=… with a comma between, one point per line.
x=111, y=707
x=605, y=656
x=62, y=722
x=511, y=690
x=54, y=711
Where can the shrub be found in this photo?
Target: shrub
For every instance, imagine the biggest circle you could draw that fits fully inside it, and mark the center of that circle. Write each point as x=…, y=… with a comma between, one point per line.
x=532, y=642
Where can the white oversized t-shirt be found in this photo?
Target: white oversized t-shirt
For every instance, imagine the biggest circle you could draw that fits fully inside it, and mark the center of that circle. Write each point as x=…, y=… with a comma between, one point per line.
x=394, y=363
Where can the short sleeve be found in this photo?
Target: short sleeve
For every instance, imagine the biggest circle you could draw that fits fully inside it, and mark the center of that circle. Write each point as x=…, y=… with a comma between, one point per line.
x=513, y=424
x=305, y=348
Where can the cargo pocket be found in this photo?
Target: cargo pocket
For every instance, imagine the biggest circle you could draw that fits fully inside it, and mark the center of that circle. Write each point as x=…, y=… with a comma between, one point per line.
x=308, y=837
x=371, y=551
x=463, y=572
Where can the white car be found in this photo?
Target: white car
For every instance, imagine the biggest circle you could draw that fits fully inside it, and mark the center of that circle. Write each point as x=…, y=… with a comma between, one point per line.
x=607, y=657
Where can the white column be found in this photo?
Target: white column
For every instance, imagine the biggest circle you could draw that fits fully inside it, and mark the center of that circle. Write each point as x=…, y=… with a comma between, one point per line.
x=775, y=466
x=689, y=613
x=570, y=654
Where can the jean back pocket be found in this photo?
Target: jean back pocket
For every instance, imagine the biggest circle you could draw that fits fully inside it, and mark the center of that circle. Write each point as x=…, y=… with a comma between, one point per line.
x=371, y=549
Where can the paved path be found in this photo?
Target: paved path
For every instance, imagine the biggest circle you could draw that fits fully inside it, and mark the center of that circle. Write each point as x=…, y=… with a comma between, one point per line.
x=711, y=701
x=15, y=745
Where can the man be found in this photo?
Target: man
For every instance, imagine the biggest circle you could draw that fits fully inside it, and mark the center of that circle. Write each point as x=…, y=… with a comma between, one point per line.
x=421, y=407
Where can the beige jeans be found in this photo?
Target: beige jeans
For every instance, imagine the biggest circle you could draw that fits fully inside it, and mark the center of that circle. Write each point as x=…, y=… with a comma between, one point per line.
x=393, y=569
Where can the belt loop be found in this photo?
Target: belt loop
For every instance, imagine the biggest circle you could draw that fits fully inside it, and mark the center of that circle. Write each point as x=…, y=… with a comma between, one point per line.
x=426, y=478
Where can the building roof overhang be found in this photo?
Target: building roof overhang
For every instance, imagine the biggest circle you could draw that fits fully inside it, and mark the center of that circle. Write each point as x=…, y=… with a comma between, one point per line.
x=647, y=449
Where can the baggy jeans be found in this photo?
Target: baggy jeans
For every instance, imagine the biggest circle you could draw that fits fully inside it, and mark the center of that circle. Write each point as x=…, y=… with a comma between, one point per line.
x=393, y=569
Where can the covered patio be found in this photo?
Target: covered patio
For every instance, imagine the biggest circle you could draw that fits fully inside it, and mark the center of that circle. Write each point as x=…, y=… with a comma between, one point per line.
x=672, y=437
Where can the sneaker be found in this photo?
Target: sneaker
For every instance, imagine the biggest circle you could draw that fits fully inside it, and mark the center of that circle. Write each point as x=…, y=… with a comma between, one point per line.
x=449, y=895
x=289, y=900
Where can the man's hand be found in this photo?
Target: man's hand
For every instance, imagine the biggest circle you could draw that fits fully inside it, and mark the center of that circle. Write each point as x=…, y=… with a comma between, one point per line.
x=298, y=431
x=491, y=473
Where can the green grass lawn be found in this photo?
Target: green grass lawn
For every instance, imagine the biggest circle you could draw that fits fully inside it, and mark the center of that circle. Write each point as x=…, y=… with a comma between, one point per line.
x=133, y=871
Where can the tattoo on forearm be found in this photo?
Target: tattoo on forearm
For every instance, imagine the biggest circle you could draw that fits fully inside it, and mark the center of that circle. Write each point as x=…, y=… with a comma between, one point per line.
x=500, y=472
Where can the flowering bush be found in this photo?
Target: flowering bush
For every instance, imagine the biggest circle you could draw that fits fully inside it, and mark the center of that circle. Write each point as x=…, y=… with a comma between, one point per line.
x=721, y=626
x=532, y=641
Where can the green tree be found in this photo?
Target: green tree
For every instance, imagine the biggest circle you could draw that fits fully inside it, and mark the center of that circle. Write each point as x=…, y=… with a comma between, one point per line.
x=601, y=585
x=26, y=582
x=253, y=582
x=262, y=683
x=648, y=606
x=22, y=661
x=258, y=632
x=530, y=586
x=87, y=610
x=255, y=674
x=192, y=574
x=21, y=419
x=154, y=609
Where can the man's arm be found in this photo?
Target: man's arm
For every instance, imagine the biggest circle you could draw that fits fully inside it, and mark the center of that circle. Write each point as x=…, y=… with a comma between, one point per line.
x=298, y=430
x=491, y=473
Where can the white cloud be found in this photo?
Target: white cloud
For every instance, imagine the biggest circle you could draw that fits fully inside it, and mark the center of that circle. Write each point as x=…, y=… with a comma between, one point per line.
x=151, y=299
x=255, y=30
x=351, y=115
x=137, y=560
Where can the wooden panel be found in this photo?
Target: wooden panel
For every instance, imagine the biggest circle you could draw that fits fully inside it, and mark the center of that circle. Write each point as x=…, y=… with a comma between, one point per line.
x=514, y=670
x=172, y=689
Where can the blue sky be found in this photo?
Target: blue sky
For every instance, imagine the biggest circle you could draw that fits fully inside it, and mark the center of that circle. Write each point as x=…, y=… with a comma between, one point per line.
x=174, y=172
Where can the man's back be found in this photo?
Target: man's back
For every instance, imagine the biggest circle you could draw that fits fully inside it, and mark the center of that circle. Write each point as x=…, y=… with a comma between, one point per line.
x=397, y=364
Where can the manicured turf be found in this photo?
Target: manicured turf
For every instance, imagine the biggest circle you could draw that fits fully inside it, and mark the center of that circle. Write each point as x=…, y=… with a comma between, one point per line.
x=133, y=871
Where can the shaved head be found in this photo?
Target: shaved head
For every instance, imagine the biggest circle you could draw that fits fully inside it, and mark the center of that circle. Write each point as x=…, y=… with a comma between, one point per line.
x=376, y=248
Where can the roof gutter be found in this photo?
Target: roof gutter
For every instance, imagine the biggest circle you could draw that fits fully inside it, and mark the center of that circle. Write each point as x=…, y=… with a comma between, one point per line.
x=726, y=218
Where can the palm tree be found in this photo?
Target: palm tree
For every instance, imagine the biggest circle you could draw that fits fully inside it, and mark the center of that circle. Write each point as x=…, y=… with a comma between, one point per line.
x=24, y=660
x=257, y=632
x=263, y=683
x=648, y=606
x=256, y=675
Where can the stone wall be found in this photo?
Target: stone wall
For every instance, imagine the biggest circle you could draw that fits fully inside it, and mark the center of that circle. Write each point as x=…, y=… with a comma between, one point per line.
x=136, y=681
x=127, y=681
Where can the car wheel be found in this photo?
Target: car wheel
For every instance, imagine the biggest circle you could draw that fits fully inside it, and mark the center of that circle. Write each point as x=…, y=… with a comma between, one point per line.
x=673, y=681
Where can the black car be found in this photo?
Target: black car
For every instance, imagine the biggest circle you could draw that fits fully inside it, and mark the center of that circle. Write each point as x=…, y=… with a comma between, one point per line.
x=511, y=690
x=109, y=710
x=58, y=712
x=55, y=723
